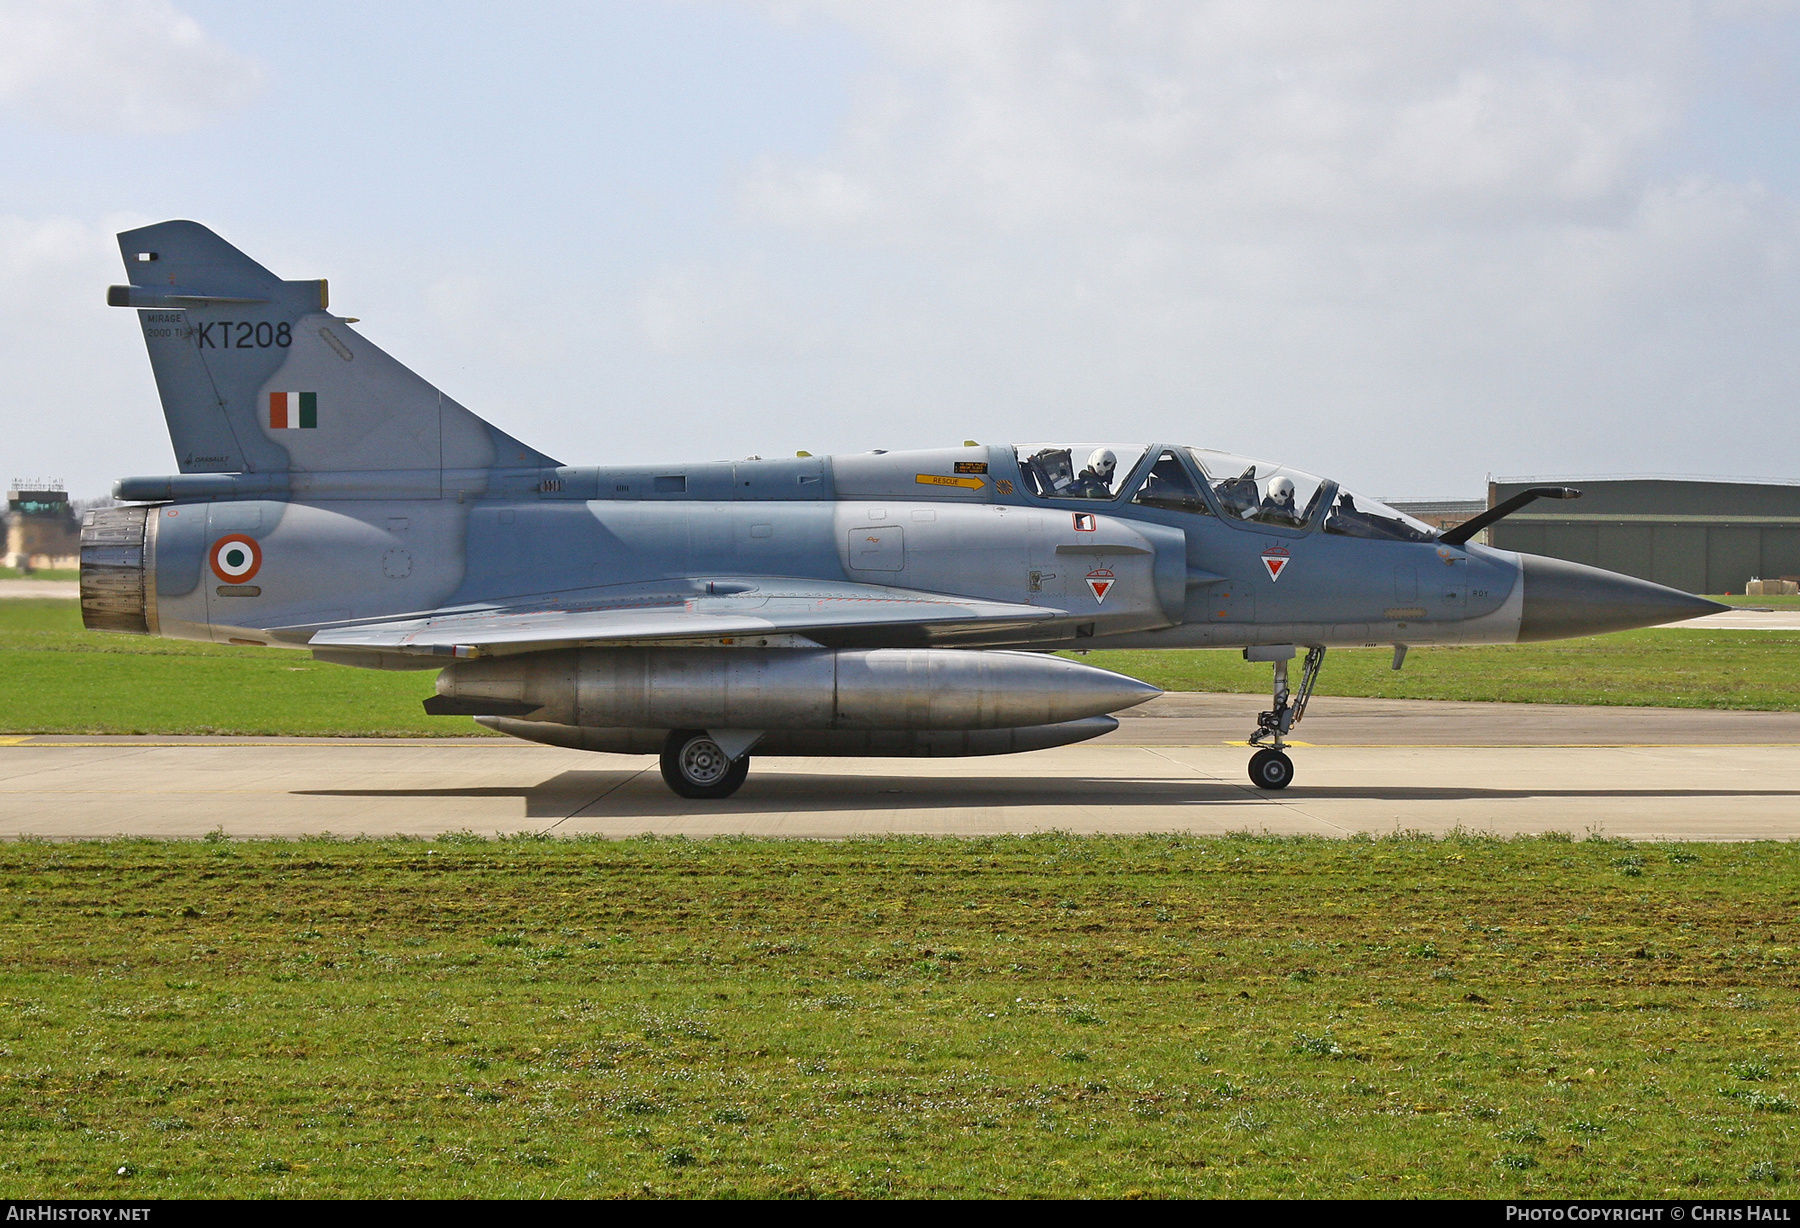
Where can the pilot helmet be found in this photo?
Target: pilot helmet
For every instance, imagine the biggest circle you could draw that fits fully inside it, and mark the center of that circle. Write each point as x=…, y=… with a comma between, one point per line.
x=1282, y=490
x=1102, y=462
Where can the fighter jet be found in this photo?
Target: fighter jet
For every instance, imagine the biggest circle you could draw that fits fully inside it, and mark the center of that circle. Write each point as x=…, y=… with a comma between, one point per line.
x=883, y=603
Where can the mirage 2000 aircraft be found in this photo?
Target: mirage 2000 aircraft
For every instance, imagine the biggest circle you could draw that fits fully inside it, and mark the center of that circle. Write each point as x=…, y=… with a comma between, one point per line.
x=884, y=603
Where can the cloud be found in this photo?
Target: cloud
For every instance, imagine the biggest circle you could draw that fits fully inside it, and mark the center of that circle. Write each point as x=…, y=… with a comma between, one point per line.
x=80, y=401
x=732, y=311
x=483, y=316
x=1389, y=236
x=1011, y=113
x=138, y=66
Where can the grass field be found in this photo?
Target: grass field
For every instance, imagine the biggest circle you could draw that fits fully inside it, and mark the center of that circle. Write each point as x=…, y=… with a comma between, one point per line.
x=1783, y=602
x=1015, y=1016
x=1664, y=669
x=57, y=678
x=13, y=573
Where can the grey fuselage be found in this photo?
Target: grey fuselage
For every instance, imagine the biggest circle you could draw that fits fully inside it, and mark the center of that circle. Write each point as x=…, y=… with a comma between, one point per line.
x=355, y=546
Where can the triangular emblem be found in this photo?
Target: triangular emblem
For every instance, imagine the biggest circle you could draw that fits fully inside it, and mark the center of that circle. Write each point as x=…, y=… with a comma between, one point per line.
x=1275, y=559
x=1101, y=582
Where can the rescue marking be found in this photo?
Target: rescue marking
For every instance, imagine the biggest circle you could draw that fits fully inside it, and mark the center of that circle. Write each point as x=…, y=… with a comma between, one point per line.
x=938, y=479
x=969, y=467
x=1101, y=581
x=1275, y=559
x=235, y=558
x=1085, y=522
x=293, y=411
x=1003, y=486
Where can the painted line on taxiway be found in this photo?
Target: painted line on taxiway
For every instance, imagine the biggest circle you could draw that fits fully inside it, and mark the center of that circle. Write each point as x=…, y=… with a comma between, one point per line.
x=31, y=743
x=1461, y=745
x=388, y=744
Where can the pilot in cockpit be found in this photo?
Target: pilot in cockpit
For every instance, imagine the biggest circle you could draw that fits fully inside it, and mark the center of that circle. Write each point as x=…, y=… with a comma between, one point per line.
x=1095, y=481
x=1278, y=505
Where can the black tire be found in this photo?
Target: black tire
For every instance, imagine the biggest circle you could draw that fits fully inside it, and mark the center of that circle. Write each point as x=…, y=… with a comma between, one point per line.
x=1270, y=769
x=694, y=766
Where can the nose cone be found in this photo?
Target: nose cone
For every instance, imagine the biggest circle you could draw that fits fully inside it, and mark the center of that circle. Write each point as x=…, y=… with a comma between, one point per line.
x=1564, y=600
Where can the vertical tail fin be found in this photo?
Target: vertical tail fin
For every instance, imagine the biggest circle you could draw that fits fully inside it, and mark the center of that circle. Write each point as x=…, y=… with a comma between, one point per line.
x=256, y=376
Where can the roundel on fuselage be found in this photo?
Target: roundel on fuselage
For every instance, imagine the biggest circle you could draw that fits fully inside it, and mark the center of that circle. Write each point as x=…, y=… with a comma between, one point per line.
x=235, y=558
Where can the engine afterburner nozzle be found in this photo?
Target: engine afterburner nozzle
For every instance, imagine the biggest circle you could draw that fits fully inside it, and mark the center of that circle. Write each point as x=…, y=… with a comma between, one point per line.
x=1564, y=600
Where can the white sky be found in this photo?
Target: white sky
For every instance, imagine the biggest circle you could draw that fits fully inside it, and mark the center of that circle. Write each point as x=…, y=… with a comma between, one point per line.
x=1405, y=245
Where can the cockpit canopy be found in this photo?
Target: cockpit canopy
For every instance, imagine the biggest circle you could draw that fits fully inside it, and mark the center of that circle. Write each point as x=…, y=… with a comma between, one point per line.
x=1240, y=489
x=1077, y=471
x=1256, y=490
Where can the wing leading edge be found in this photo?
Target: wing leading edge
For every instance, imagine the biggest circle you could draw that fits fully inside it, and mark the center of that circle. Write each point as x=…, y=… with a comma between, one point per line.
x=708, y=610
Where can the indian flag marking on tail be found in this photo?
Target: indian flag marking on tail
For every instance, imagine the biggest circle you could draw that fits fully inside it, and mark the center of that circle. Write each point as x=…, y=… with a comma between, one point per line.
x=293, y=411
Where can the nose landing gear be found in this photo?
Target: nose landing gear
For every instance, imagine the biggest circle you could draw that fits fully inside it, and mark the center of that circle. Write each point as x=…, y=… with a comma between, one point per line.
x=1270, y=768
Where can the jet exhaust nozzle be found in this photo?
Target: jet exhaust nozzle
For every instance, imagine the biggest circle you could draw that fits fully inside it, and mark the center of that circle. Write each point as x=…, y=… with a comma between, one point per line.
x=118, y=580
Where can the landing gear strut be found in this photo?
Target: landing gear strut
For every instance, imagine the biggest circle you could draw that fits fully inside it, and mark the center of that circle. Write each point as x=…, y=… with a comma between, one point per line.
x=1270, y=768
x=694, y=765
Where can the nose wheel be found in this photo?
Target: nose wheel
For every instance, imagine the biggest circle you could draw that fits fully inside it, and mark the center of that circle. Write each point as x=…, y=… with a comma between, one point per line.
x=1270, y=768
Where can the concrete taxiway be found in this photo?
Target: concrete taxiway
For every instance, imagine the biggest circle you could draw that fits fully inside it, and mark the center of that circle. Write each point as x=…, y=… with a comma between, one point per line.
x=1364, y=765
x=1741, y=620
x=61, y=590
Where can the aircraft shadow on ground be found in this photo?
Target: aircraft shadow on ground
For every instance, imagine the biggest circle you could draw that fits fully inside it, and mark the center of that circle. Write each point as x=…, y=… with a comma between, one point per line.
x=603, y=795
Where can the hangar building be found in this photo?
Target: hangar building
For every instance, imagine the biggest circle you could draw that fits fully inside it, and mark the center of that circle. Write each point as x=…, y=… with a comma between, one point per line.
x=1440, y=513
x=1702, y=536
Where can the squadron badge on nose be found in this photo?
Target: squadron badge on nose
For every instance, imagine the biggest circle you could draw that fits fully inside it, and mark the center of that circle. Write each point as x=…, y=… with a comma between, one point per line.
x=1276, y=559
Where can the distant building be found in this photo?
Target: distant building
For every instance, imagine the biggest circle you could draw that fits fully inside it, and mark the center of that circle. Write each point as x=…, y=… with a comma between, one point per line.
x=42, y=531
x=1708, y=535
x=1439, y=513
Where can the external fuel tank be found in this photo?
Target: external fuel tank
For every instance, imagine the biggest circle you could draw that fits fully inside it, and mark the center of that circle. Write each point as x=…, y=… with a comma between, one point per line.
x=786, y=688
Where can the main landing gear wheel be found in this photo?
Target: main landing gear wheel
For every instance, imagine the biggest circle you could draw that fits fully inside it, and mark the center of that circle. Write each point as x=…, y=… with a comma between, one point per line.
x=694, y=766
x=1270, y=769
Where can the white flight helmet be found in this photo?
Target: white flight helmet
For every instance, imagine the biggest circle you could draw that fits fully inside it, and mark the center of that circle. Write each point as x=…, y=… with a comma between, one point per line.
x=1282, y=490
x=1102, y=462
